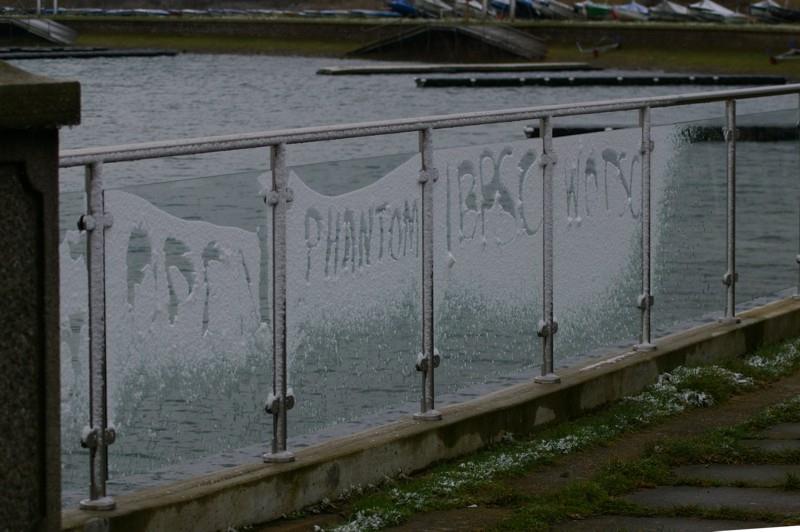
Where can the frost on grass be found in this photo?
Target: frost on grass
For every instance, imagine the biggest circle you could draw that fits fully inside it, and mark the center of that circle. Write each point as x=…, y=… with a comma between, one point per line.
x=367, y=520
x=777, y=364
x=671, y=394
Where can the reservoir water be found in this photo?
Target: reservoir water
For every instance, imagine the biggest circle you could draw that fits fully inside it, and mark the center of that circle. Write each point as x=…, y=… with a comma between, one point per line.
x=188, y=302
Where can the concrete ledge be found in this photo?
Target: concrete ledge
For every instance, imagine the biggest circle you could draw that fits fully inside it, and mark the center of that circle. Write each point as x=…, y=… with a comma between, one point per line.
x=28, y=101
x=258, y=492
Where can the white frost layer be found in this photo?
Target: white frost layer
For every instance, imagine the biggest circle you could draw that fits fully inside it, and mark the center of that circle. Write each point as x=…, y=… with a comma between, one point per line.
x=209, y=310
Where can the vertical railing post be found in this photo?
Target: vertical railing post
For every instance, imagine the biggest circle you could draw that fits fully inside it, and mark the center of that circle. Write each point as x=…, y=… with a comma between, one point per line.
x=797, y=257
x=731, y=275
x=512, y=10
x=281, y=399
x=98, y=435
x=645, y=300
x=547, y=326
x=428, y=359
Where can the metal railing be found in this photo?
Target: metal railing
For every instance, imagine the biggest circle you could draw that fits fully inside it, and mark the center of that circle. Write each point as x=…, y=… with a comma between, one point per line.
x=98, y=436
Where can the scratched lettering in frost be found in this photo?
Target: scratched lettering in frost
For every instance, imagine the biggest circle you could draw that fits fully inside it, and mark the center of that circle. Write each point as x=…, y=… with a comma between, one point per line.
x=494, y=197
x=351, y=239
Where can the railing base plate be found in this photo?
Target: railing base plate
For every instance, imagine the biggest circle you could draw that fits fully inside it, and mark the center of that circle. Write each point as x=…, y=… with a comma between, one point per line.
x=283, y=457
x=430, y=415
x=730, y=321
x=646, y=346
x=103, y=504
x=550, y=378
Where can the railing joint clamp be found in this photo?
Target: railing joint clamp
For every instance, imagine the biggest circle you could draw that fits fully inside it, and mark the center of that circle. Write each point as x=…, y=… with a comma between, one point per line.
x=273, y=404
x=87, y=222
x=422, y=361
x=90, y=439
x=645, y=301
x=547, y=159
x=273, y=197
x=730, y=278
x=544, y=329
x=425, y=175
x=730, y=134
x=647, y=147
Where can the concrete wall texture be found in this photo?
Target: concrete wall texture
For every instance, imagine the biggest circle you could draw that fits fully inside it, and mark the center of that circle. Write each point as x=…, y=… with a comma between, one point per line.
x=31, y=109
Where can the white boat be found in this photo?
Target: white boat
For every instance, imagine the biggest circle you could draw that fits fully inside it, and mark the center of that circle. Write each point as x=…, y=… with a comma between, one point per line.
x=554, y=9
x=711, y=11
x=434, y=8
x=632, y=11
x=475, y=8
x=670, y=11
x=771, y=11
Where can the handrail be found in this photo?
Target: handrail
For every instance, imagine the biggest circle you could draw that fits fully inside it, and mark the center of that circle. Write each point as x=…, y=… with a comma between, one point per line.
x=279, y=196
x=193, y=146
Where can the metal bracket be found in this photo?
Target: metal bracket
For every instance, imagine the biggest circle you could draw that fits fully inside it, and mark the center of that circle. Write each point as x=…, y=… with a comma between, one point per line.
x=273, y=197
x=274, y=402
x=645, y=301
x=422, y=361
x=543, y=329
x=90, y=437
x=728, y=279
x=727, y=132
x=547, y=159
x=425, y=175
x=87, y=222
x=646, y=148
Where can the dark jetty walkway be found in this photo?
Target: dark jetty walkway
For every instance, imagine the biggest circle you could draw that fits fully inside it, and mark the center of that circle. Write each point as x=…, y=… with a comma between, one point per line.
x=597, y=81
x=77, y=52
x=454, y=68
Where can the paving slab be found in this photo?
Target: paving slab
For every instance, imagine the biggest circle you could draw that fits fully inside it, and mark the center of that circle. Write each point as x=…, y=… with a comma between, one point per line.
x=749, y=499
x=618, y=523
x=755, y=475
x=773, y=446
x=783, y=431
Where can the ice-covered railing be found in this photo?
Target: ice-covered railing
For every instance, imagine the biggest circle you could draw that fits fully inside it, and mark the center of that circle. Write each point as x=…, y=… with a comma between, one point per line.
x=279, y=197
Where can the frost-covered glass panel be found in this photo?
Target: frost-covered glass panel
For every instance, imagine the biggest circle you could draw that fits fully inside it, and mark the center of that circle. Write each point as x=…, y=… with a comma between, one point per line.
x=489, y=252
x=487, y=216
x=689, y=227
x=74, y=341
x=597, y=238
x=768, y=175
x=353, y=296
x=188, y=350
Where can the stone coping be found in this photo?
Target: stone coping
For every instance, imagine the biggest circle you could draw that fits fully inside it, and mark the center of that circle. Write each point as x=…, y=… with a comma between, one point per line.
x=259, y=492
x=28, y=101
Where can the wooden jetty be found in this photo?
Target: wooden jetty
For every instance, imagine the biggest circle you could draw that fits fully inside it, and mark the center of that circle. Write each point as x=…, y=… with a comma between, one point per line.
x=36, y=29
x=597, y=81
x=455, y=68
x=77, y=52
x=461, y=44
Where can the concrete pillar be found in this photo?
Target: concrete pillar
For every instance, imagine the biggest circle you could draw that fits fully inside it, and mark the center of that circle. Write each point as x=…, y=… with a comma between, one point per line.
x=32, y=108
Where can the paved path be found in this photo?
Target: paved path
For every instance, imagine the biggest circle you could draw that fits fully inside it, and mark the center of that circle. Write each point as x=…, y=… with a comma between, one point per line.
x=763, y=480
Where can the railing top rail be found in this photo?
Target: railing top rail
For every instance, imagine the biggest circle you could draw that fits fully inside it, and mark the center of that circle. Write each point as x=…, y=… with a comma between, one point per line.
x=193, y=146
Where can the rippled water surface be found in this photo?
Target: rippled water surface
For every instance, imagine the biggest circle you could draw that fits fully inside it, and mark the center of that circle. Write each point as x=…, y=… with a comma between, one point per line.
x=189, y=402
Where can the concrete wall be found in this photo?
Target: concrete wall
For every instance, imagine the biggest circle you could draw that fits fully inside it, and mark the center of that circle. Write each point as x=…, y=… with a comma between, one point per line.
x=31, y=110
x=258, y=492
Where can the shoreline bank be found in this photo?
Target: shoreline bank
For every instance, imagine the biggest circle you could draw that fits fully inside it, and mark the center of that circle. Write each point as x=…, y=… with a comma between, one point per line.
x=697, y=48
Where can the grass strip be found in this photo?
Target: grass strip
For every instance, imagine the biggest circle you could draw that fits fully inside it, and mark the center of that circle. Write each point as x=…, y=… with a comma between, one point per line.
x=455, y=484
